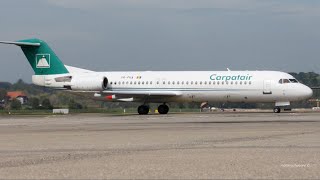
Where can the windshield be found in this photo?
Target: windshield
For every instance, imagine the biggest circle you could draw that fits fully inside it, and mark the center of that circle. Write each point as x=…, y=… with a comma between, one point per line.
x=294, y=81
x=284, y=81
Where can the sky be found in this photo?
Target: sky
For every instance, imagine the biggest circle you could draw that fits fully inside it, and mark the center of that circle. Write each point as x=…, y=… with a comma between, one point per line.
x=143, y=35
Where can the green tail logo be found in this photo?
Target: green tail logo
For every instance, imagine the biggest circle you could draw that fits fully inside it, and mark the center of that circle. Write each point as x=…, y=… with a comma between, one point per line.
x=43, y=60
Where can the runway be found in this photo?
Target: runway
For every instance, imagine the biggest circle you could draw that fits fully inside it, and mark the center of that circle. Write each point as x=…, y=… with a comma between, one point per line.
x=174, y=146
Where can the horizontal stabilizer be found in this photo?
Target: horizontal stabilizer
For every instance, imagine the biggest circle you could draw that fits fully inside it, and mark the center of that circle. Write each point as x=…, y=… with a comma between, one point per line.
x=20, y=43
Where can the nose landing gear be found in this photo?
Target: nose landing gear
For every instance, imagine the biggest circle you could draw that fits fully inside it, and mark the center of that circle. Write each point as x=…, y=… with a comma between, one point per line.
x=276, y=110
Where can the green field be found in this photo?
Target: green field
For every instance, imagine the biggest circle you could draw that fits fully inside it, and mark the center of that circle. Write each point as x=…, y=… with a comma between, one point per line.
x=89, y=110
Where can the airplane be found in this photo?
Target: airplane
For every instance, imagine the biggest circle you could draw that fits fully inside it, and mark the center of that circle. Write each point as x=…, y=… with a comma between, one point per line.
x=162, y=87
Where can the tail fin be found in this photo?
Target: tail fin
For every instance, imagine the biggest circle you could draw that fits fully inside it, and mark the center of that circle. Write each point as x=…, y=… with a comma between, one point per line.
x=40, y=56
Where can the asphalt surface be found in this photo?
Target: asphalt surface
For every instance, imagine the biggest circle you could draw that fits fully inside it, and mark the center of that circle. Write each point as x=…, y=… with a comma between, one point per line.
x=176, y=146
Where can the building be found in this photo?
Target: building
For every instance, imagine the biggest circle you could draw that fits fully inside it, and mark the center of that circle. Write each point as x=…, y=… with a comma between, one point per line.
x=2, y=104
x=19, y=95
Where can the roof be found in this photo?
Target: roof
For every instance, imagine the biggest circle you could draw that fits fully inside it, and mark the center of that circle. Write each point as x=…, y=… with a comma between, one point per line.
x=15, y=94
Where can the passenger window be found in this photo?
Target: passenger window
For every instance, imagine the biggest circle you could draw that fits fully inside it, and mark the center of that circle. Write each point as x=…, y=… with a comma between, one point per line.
x=231, y=82
x=147, y=82
x=111, y=83
x=227, y=82
x=240, y=82
x=218, y=83
x=196, y=83
x=209, y=82
x=150, y=82
x=213, y=83
x=164, y=82
x=222, y=82
x=173, y=82
x=250, y=82
x=236, y=83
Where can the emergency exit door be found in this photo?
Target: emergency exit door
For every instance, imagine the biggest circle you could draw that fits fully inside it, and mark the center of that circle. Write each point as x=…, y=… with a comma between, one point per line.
x=267, y=87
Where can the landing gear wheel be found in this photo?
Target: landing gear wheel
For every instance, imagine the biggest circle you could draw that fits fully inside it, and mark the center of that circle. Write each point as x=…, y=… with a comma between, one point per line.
x=163, y=109
x=143, y=109
x=276, y=110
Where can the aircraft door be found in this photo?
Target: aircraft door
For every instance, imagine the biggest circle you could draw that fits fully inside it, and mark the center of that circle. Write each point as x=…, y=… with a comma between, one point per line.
x=267, y=87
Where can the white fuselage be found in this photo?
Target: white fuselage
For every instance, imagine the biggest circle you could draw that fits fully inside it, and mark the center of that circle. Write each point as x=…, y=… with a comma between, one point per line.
x=194, y=86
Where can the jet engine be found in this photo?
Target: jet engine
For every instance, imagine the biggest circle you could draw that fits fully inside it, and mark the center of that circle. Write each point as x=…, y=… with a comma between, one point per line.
x=89, y=83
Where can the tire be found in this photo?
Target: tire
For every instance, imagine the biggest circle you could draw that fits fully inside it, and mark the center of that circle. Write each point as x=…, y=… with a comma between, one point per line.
x=277, y=110
x=143, y=109
x=163, y=109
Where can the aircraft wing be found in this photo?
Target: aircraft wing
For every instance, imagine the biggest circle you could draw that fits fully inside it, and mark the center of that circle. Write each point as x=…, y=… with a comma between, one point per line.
x=143, y=93
x=127, y=96
x=130, y=96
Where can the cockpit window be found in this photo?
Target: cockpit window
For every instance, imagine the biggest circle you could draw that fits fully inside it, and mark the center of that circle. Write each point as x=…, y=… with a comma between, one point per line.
x=294, y=81
x=284, y=81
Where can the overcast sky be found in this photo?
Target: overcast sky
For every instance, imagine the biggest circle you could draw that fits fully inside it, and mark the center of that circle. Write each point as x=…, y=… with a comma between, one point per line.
x=130, y=35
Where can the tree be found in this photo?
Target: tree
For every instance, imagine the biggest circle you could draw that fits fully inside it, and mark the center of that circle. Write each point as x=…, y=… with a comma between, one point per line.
x=74, y=105
x=3, y=94
x=310, y=79
x=15, y=104
x=34, y=103
x=46, y=104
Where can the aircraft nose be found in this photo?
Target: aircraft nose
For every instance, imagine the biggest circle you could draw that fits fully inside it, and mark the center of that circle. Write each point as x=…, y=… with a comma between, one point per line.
x=307, y=92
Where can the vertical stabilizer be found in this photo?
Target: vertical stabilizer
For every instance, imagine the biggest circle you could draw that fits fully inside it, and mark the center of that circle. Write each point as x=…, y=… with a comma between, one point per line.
x=40, y=56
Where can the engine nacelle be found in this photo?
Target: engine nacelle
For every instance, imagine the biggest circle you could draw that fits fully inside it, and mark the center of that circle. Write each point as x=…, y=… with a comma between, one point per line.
x=89, y=83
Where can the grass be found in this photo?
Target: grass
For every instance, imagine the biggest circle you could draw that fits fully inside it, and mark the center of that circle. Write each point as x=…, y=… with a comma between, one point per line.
x=89, y=110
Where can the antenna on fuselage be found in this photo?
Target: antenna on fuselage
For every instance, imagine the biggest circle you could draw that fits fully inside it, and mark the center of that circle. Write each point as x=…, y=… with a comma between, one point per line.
x=228, y=69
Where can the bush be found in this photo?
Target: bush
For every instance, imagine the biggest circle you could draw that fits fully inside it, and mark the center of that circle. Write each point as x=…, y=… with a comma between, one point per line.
x=74, y=105
x=34, y=103
x=15, y=104
x=46, y=104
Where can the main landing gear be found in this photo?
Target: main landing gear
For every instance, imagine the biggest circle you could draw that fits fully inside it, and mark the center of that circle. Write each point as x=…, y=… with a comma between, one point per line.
x=143, y=109
x=276, y=110
x=163, y=109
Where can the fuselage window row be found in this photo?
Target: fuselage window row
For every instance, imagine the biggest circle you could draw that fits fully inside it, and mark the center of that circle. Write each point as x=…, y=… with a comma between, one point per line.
x=200, y=83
